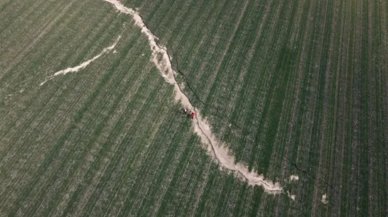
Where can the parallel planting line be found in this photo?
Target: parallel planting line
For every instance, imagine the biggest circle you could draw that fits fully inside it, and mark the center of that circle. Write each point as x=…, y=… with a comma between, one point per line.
x=109, y=39
x=219, y=152
x=6, y=153
x=75, y=170
x=12, y=121
x=37, y=38
x=14, y=142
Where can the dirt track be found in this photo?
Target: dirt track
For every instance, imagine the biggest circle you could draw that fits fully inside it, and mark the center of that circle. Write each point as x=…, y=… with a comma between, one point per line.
x=82, y=65
x=217, y=149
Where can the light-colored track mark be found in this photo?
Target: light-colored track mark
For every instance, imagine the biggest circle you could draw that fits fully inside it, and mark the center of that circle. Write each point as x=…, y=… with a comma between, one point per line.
x=294, y=178
x=292, y=196
x=324, y=199
x=82, y=65
x=217, y=149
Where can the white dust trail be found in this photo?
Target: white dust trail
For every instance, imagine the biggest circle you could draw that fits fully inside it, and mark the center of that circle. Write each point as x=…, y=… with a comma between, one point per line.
x=217, y=149
x=82, y=65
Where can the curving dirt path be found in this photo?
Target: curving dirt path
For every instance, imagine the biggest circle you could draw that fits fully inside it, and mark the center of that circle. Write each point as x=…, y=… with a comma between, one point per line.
x=217, y=149
x=82, y=65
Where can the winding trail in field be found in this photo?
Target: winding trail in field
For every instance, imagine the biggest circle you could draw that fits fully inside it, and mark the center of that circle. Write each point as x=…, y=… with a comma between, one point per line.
x=217, y=149
x=82, y=65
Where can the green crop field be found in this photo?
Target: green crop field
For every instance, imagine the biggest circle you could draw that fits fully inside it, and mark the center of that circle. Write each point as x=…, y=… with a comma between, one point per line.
x=297, y=91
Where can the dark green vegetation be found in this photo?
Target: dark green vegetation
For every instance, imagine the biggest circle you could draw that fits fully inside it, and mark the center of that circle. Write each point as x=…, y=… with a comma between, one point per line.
x=294, y=88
